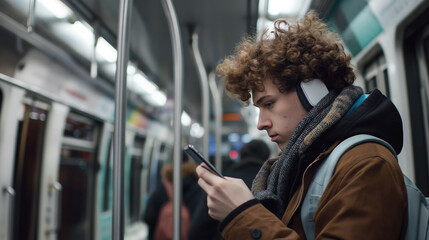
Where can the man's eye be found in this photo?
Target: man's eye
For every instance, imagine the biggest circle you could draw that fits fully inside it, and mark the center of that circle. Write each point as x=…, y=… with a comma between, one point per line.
x=268, y=104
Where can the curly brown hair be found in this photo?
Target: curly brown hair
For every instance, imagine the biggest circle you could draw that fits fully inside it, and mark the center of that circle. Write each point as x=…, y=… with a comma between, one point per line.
x=293, y=53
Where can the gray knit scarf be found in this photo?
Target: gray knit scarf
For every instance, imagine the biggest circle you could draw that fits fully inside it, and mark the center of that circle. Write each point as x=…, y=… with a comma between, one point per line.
x=272, y=185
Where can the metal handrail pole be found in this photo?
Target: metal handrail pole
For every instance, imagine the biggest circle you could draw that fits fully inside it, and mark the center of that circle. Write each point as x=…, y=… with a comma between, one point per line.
x=31, y=16
x=93, y=71
x=217, y=102
x=204, y=92
x=173, y=24
x=120, y=119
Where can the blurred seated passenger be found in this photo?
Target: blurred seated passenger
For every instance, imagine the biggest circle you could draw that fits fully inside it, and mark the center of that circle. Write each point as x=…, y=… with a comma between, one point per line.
x=192, y=193
x=252, y=155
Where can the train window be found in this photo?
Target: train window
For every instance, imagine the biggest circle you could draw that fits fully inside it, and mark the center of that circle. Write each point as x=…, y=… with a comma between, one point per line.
x=386, y=81
x=376, y=76
x=77, y=178
x=371, y=84
x=80, y=127
x=135, y=179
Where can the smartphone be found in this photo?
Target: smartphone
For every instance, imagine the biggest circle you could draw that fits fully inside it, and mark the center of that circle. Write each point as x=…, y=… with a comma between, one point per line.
x=199, y=158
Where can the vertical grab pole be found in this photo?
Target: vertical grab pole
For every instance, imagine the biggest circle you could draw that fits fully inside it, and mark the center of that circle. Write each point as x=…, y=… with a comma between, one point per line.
x=31, y=16
x=93, y=71
x=217, y=102
x=173, y=24
x=204, y=93
x=120, y=118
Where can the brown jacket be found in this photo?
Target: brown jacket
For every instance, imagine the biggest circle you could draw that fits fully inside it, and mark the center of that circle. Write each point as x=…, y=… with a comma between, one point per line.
x=365, y=199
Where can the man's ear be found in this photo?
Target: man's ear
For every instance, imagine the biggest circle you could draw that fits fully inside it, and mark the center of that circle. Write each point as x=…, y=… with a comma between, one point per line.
x=311, y=92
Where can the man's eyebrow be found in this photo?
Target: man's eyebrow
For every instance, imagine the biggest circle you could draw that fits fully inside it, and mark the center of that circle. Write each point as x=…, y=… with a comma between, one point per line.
x=259, y=101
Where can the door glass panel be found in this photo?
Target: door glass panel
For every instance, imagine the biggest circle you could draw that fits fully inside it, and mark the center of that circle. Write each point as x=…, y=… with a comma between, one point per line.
x=79, y=127
x=376, y=75
x=77, y=181
x=371, y=84
x=28, y=162
x=386, y=82
x=77, y=176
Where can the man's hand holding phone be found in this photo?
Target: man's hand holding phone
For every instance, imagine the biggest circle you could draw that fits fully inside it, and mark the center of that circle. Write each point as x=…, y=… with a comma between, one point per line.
x=223, y=194
x=199, y=158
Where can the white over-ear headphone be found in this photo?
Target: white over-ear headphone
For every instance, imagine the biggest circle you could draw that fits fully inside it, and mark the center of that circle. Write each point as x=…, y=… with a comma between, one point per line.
x=311, y=92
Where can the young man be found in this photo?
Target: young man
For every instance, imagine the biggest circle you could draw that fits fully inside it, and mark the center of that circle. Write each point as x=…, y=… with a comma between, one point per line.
x=366, y=196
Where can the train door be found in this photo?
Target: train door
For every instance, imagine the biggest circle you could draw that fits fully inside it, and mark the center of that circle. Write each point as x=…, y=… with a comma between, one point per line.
x=11, y=101
x=416, y=59
x=77, y=176
x=27, y=168
x=375, y=74
x=423, y=59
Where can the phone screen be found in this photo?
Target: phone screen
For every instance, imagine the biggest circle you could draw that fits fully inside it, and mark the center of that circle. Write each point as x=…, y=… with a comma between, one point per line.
x=199, y=158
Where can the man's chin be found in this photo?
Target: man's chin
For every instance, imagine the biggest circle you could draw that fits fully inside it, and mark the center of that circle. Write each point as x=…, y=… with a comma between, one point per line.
x=281, y=146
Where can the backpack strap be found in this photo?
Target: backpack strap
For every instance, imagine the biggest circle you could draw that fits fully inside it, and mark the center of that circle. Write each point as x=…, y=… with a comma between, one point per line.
x=418, y=212
x=324, y=174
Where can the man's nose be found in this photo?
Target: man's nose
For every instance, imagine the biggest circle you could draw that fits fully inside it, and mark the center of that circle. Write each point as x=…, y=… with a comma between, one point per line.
x=263, y=122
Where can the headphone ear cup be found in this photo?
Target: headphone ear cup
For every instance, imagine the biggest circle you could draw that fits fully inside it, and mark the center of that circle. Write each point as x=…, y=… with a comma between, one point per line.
x=311, y=92
x=302, y=98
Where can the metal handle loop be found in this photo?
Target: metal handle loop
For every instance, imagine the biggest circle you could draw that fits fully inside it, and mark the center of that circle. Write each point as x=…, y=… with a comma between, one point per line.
x=57, y=188
x=10, y=192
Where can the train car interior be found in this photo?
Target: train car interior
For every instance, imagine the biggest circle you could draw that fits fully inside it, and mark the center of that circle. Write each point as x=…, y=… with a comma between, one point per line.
x=59, y=67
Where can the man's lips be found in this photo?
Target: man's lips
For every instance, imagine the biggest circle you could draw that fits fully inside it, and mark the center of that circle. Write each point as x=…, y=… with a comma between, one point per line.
x=273, y=137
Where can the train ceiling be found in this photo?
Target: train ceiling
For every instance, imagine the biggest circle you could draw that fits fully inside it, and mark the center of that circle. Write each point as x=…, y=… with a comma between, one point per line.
x=220, y=25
